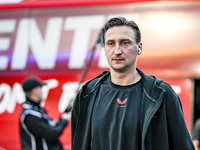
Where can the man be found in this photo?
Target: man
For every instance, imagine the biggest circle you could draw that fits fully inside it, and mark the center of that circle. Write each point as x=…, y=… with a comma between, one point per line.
x=125, y=109
x=196, y=135
x=37, y=130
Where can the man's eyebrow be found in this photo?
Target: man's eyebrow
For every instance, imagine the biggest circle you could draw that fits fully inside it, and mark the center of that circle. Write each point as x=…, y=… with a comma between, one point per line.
x=125, y=40
x=110, y=41
x=121, y=40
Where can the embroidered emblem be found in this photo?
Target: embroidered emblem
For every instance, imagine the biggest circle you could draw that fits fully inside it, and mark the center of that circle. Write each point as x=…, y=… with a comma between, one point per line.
x=122, y=103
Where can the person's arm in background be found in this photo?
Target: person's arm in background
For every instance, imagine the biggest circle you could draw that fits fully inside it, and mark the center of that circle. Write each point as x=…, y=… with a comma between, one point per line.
x=40, y=127
x=196, y=135
x=196, y=144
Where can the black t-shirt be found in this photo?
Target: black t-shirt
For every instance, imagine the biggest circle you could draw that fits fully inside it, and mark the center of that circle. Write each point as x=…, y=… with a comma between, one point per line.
x=115, y=117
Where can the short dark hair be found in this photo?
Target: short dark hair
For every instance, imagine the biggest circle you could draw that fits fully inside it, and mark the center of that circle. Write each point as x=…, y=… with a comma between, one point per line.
x=121, y=21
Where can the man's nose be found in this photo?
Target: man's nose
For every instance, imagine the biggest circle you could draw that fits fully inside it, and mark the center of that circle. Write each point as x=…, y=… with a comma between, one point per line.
x=117, y=49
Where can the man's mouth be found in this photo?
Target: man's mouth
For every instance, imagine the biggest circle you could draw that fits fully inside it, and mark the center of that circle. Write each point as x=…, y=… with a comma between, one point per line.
x=118, y=59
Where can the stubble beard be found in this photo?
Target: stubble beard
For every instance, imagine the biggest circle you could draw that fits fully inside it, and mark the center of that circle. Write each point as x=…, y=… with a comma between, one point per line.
x=119, y=69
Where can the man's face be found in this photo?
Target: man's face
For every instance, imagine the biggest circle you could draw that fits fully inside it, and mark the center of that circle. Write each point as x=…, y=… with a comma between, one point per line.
x=37, y=93
x=121, y=49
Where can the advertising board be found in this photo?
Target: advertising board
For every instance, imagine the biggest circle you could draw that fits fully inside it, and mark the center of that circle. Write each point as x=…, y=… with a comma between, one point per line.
x=55, y=44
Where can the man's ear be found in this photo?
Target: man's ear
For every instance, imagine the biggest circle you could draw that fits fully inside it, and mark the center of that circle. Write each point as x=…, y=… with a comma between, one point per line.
x=139, y=48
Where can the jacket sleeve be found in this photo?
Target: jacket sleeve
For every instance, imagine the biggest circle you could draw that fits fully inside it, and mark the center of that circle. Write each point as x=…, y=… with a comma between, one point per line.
x=39, y=127
x=177, y=126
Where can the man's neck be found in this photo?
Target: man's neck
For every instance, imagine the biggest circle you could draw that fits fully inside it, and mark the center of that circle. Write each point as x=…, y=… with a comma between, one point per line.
x=125, y=78
x=32, y=101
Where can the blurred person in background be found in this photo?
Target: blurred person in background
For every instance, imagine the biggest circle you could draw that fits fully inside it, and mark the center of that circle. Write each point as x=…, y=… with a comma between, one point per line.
x=124, y=108
x=37, y=130
x=196, y=135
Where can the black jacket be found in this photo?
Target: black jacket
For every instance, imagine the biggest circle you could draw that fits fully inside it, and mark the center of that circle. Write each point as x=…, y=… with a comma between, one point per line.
x=37, y=130
x=163, y=125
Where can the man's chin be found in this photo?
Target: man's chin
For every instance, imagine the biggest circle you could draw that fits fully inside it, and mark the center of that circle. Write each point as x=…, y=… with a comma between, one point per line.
x=118, y=69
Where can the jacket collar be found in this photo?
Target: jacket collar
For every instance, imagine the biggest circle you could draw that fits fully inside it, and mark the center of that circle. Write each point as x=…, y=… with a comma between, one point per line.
x=32, y=103
x=150, y=83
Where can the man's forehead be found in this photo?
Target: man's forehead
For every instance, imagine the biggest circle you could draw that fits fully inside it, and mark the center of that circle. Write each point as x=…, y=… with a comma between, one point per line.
x=119, y=32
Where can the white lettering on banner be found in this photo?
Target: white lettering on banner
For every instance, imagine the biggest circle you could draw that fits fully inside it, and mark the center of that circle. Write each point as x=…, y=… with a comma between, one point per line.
x=103, y=63
x=51, y=83
x=12, y=96
x=82, y=27
x=177, y=89
x=68, y=94
x=16, y=96
x=45, y=48
x=5, y=91
x=10, y=1
x=6, y=26
x=44, y=51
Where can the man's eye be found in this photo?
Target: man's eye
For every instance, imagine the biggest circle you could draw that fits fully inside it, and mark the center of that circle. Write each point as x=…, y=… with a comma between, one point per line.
x=110, y=43
x=125, y=42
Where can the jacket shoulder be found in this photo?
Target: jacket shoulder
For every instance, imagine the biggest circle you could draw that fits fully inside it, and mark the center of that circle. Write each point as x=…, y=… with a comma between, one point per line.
x=92, y=84
x=154, y=85
x=168, y=88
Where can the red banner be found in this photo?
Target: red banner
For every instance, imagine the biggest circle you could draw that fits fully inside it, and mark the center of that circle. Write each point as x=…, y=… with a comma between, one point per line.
x=16, y=4
x=56, y=43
